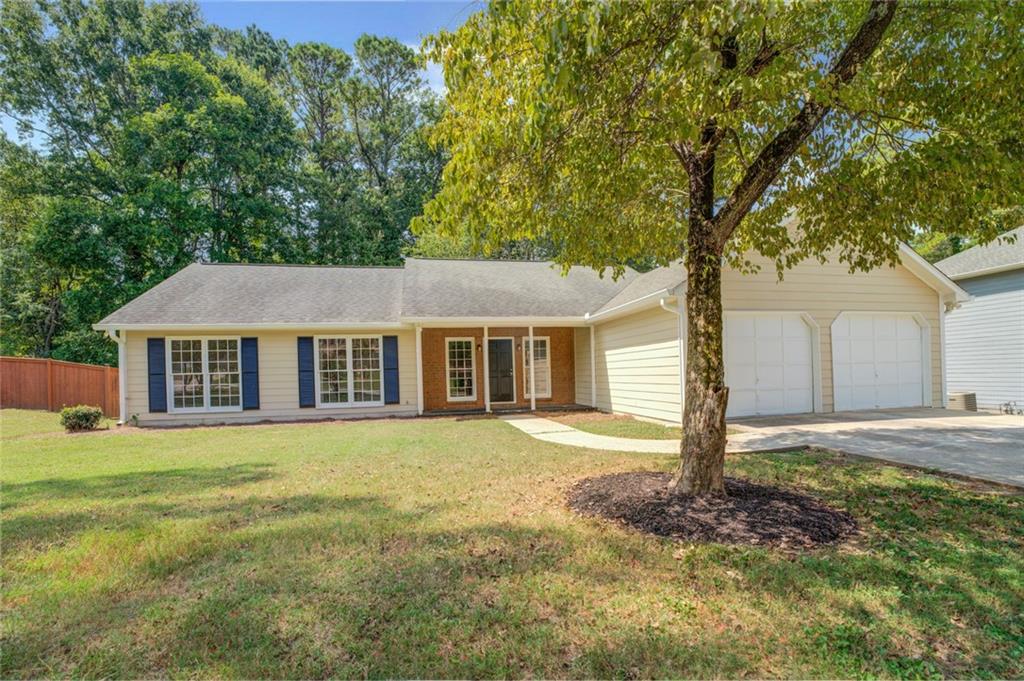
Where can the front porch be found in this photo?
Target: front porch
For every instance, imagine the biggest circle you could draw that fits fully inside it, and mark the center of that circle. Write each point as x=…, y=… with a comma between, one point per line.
x=488, y=369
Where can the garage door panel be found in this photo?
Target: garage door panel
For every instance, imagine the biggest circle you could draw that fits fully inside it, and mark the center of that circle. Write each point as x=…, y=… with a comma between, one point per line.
x=862, y=350
x=768, y=327
x=909, y=348
x=740, y=350
x=799, y=374
x=861, y=328
x=886, y=348
x=769, y=351
x=797, y=400
x=877, y=361
x=742, y=401
x=885, y=327
x=743, y=376
x=768, y=364
x=770, y=377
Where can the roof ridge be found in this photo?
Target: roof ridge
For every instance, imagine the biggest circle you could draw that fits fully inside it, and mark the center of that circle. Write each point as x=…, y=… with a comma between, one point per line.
x=311, y=266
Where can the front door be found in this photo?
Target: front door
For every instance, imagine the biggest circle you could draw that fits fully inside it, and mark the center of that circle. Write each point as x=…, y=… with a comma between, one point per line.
x=501, y=363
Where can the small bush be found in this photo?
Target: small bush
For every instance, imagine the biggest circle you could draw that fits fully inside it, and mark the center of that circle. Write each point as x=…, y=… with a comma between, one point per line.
x=80, y=417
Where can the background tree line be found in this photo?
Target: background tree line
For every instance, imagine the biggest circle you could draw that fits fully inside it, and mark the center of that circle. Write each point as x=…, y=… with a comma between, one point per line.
x=158, y=140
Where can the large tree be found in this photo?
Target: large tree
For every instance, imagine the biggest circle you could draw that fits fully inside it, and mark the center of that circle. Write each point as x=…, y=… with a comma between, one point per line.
x=694, y=129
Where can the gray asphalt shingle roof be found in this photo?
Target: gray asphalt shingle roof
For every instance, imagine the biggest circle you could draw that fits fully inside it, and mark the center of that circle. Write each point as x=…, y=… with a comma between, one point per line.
x=223, y=294
x=502, y=288
x=998, y=253
x=281, y=294
x=646, y=284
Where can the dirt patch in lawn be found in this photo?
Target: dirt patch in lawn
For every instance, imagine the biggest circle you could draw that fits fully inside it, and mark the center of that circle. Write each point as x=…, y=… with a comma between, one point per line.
x=749, y=513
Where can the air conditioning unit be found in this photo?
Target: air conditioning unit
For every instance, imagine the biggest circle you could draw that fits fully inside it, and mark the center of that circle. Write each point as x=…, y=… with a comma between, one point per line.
x=963, y=401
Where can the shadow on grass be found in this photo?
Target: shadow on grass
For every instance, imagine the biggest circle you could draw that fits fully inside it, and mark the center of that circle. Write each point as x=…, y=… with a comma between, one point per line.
x=126, y=485
x=316, y=586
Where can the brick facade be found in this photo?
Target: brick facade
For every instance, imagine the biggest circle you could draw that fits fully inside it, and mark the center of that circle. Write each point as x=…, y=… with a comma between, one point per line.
x=563, y=374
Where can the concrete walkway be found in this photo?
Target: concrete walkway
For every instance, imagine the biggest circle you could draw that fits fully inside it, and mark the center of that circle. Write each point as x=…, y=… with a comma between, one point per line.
x=976, y=445
x=559, y=433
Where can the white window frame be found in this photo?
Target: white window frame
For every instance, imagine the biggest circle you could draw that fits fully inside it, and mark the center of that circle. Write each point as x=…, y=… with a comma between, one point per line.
x=204, y=340
x=526, y=368
x=351, y=404
x=448, y=368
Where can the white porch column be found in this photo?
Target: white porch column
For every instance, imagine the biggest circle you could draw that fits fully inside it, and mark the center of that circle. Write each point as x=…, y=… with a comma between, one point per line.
x=593, y=369
x=419, y=370
x=487, y=373
x=120, y=337
x=533, y=377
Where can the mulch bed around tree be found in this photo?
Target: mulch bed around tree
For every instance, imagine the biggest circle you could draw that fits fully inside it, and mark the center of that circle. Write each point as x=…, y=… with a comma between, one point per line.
x=749, y=513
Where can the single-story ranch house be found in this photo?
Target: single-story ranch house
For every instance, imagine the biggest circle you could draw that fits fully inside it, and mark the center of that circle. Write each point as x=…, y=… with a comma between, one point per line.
x=233, y=343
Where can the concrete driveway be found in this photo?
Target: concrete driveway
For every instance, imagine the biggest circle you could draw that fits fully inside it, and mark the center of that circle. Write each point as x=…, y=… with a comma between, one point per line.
x=978, y=445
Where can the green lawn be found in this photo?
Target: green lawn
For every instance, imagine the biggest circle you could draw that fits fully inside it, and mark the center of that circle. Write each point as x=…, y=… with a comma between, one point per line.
x=17, y=423
x=443, y=548
x=627, y=426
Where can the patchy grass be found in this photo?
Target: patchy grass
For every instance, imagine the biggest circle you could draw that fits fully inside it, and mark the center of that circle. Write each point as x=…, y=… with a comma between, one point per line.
x=444, y=548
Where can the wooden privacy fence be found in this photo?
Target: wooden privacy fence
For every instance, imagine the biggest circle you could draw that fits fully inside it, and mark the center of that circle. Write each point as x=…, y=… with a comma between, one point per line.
x=33, y=383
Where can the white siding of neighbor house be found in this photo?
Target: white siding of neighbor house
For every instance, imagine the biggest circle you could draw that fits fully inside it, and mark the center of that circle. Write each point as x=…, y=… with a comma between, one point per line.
x=582, y=365
x=638, y=355
x=638, y=365
x=278, y=375
x=985, y=340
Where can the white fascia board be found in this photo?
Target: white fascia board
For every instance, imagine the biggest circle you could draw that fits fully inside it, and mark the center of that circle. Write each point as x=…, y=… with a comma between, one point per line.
x=931, y=275
x=442, y=322
x=988, y=270
x=635, y=305
x=268, y=326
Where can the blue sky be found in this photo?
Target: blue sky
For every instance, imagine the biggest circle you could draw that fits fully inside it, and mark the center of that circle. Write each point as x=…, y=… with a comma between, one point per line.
x=340, y=23
x=337, y=23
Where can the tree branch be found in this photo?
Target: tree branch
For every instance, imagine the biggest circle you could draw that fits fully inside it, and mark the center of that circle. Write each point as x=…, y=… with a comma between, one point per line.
x=765, y=168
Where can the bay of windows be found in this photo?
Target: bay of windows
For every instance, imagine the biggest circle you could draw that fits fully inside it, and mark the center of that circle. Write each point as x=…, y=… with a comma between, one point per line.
x=349, y=371
x=205, y=374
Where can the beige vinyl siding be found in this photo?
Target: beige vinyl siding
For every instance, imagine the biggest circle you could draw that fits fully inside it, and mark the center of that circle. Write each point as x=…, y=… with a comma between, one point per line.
x=582, y=362
x=638, y=365
x=825, y=290
x=278, y=374
x=638, y=355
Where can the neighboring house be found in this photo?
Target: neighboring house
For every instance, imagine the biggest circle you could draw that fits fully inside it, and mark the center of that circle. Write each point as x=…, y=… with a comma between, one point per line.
x=985, y=336
x=229, y=343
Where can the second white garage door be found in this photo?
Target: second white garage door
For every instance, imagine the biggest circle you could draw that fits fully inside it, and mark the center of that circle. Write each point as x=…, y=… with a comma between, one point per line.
x=768, y=365
x=877, y=361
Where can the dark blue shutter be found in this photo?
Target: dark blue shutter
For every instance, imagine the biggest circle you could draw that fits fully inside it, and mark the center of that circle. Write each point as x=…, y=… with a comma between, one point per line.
x=156, y=351
x=390, y=369
x=307, y=385
x=250, y=374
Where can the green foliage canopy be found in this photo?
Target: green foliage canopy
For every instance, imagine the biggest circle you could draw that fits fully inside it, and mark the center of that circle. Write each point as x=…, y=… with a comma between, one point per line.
x=569, y=122
x=165, y=140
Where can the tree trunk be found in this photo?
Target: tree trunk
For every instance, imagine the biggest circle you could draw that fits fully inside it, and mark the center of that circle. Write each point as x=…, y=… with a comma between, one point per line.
x=702, y=465
x=701, y=469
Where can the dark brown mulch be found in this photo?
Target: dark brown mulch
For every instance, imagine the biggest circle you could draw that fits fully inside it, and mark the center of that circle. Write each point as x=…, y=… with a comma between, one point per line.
x=749, y=513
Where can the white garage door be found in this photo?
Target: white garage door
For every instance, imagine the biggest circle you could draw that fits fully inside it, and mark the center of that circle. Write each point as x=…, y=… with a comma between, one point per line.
x=768, y=364
x=877, y=361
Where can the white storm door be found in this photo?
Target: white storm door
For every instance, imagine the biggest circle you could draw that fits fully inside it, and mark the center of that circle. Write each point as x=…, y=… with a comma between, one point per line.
x=768, y=365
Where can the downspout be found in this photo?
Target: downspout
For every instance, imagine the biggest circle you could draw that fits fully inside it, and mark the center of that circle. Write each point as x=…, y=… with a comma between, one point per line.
x=122, y=372
x=663, y=302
